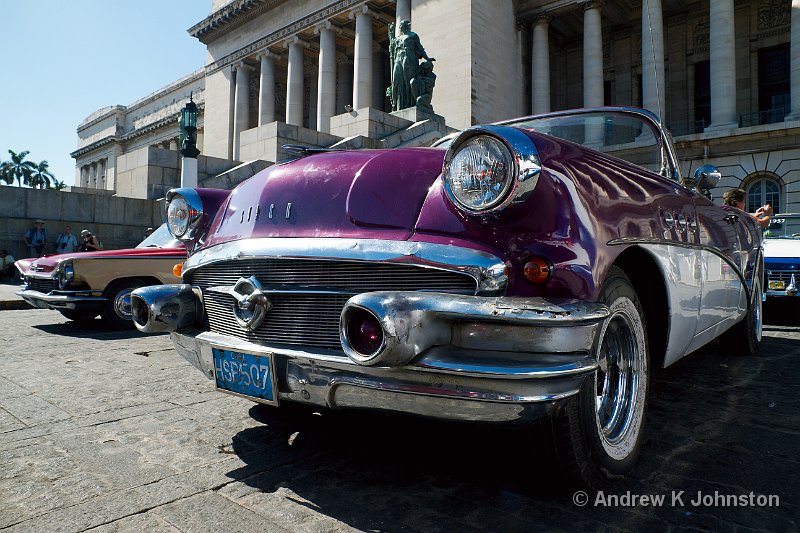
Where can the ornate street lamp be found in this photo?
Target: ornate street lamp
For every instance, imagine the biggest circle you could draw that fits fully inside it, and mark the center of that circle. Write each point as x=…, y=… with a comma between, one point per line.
x=189, y=151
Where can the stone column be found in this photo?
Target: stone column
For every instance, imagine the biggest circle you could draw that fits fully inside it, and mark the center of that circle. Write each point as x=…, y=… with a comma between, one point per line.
x=402, y=12
x=173, y=145
x=85, y=176
x=266, y=88
x=93, y=175
x=344, y=82
x=794, y=63
x=101, y=174
x=311, y=80
x=540, y=69
x=653, y=90
x=294, y=82
x=326, y=79
x=593, y=67
x=362, y=70
x=379, y=84
x=723, y=65
x=241, y=106
x=592, y=55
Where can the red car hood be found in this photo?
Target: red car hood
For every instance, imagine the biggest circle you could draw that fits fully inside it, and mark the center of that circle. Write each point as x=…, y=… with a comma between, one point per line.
x=364, y=193
x=48, y=263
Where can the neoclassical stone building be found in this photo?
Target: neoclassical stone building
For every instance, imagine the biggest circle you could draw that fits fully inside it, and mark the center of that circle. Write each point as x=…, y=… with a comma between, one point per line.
x=724, y=75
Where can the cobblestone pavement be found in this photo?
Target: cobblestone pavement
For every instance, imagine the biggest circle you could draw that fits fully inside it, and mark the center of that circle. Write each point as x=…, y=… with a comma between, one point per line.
x=112, y=431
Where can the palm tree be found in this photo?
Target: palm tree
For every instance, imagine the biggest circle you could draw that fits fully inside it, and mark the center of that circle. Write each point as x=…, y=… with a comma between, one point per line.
x=41, y=176
x=17, y=168
x=58, y=185
x=5, y=173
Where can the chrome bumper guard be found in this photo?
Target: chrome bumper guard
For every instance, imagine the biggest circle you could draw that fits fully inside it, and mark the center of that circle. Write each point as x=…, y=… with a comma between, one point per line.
x=446, y=356
x=73, y=302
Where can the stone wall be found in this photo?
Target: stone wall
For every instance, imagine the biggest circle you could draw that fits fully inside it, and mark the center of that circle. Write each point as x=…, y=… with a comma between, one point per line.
x=118, y=222
x=150, y=172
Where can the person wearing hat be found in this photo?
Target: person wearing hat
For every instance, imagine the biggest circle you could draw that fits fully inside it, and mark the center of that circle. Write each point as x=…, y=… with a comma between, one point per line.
x=36, y=238
x=735, y=198
x=6, y=264
x=90, y=242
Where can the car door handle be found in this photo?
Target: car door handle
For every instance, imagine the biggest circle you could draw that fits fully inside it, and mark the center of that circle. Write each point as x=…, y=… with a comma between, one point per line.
x=731, y=219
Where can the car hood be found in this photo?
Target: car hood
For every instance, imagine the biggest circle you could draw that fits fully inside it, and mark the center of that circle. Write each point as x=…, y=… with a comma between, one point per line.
x=358, y=194
x=781, y=248
x=48, y=263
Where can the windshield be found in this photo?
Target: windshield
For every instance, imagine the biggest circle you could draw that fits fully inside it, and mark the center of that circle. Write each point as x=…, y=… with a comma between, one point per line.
x=160, y=238
x=626, y=135
x=783, y=227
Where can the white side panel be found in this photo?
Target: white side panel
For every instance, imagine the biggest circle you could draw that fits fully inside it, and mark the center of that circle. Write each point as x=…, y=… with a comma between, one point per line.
x=704, y=295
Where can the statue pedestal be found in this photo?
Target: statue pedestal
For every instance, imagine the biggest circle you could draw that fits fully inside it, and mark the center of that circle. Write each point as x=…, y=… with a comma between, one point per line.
x=415, y=114
x=367, y=122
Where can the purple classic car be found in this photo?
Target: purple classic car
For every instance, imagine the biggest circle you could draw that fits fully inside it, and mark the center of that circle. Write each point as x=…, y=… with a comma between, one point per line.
x=541, y=267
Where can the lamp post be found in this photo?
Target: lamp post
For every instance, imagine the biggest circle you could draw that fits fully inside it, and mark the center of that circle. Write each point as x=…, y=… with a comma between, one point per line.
x=189, y=151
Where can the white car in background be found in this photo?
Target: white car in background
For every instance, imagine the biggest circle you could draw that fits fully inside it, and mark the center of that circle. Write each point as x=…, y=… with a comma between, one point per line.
x=782, y=255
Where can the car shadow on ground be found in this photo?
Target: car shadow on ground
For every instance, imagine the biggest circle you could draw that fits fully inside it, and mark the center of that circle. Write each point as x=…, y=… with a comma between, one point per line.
x=90, y=329
x=712, y=426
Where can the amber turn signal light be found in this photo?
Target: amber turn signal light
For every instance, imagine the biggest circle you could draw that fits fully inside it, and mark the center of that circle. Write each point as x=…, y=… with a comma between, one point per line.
x=538, y=270
x=177, y=270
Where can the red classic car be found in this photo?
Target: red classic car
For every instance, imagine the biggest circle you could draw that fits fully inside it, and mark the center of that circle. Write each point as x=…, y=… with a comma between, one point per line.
x=81, y=285
x=538, y=267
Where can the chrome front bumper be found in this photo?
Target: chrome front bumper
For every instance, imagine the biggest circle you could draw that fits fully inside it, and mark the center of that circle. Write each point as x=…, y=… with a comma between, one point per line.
x=71, y=302
x=460, y=357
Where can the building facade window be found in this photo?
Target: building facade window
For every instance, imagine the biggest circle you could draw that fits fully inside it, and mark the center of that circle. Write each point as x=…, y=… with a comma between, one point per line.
x=773, y=81
x=702, y=93
x=763, y=190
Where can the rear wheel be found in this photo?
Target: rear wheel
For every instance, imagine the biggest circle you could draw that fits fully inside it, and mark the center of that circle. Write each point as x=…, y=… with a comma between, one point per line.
x=117, y=309
x=78, y=316
x=599, y=433
x=744, y=338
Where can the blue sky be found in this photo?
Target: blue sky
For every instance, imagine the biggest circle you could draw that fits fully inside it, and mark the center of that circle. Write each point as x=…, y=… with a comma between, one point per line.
x=61, y=60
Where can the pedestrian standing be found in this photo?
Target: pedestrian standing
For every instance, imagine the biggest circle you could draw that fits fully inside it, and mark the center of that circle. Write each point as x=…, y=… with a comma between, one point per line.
x=6, y=264
x=36, y=238
x=66, y=243
x=90, y=242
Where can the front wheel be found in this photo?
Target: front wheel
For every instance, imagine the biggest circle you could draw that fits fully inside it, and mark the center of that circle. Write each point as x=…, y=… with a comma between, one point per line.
x=116, y=311
x=598, y=434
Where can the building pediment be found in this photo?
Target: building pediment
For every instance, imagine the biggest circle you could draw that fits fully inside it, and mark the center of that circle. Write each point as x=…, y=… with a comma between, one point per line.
x=230, y=17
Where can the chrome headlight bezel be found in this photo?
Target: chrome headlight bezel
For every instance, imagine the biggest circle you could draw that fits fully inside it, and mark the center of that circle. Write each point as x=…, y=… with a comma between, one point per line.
x=65, y=273
x=521, y=176
x=183, y=220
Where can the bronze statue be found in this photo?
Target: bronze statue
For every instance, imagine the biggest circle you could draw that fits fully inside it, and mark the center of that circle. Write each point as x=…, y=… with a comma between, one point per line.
x=412, y=84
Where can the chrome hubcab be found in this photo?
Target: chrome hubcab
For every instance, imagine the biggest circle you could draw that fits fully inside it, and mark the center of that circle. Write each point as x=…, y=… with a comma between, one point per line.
x=620, y=383
x=122, y=304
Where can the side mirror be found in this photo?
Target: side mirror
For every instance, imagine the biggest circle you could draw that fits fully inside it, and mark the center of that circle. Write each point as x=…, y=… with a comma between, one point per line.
x=706, y=177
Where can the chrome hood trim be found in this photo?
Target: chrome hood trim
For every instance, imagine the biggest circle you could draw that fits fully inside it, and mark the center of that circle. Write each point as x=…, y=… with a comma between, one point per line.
x=488, y=270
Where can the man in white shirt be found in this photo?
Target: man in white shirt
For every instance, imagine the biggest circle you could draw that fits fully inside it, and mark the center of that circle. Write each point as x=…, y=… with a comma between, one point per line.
x=66, y=242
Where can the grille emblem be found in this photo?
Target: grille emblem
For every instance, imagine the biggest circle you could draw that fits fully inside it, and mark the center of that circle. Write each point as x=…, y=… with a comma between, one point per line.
x=251, y=305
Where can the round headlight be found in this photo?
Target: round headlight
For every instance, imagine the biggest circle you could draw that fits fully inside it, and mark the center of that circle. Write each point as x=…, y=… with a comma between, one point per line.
x=480, y=173
x=178, y=216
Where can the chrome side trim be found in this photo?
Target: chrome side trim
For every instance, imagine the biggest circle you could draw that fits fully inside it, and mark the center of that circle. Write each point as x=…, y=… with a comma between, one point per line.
x=488, y=270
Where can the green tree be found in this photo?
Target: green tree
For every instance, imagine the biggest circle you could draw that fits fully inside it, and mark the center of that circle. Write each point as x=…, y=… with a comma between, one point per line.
x=58, y=185
x=41, y=177
x=17, y=168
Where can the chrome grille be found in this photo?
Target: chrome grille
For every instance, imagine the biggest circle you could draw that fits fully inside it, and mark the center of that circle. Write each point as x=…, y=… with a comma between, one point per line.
x=312, y=320
x=783, y=275
x=42, y=285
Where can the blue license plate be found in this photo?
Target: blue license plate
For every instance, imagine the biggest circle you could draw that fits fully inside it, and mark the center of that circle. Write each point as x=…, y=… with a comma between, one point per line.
x=245, y=374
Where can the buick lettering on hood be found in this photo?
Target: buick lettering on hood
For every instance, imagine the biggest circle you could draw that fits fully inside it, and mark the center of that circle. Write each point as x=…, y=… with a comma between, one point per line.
x=541, y=267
